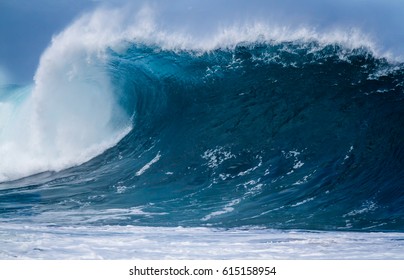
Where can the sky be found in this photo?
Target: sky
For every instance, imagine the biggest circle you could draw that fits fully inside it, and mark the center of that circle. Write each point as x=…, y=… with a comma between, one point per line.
x=27, y=27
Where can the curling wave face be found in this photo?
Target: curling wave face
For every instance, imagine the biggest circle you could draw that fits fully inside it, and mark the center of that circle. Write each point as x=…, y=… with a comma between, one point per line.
x=128, y=123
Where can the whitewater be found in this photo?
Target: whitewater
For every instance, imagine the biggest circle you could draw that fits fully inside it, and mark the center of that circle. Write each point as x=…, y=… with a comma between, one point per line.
x=250, y=137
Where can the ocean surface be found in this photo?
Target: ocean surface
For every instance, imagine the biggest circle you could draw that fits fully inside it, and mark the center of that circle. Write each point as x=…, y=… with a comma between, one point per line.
x=138, y=142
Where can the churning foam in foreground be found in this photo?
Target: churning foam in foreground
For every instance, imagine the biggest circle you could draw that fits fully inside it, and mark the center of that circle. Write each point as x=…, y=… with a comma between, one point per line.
x=71, y=113
x=129, y=242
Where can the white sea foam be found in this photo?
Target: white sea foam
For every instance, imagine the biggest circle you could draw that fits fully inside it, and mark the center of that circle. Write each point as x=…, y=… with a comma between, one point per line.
x=226, y=209
x=182, y=26
x=217, y=156
x=115, y=27
x=23, y=241
x=148, y=165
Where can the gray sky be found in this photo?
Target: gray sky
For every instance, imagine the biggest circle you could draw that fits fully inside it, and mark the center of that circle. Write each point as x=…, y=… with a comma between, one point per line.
x=26, y=26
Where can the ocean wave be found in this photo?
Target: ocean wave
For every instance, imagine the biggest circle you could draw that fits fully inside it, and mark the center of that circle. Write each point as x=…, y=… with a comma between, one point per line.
x=253, y=124
x=72, y=115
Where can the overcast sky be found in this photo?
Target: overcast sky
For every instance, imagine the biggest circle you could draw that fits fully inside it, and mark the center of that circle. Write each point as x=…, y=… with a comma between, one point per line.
x=26, y=26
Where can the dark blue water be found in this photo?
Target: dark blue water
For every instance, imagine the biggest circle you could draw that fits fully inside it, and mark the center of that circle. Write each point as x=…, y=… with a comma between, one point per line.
x=277, y=135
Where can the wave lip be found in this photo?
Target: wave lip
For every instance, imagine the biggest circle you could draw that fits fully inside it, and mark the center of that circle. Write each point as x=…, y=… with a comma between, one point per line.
x=117, y=28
